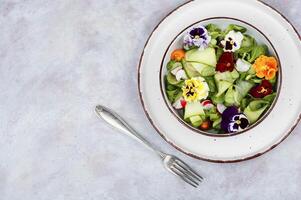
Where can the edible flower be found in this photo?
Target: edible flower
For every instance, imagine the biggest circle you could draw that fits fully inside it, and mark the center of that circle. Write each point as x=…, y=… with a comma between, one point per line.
x=195, y=89
x=242, y=65
x=225, y=62
x=177, y=55
x=263, y=89
x=232, y=41
x=233, y=121
x=227, y=116
x=238, y=123
x=197, y=37
x=265, y=67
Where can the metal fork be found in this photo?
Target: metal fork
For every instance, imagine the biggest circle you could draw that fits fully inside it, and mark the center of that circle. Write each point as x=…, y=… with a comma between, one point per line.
x=171, y=163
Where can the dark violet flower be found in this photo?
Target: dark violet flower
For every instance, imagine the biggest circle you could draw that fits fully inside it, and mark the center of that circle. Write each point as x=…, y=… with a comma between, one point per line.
x=225, y=62
x=229, y=112
x=232, y=121
x=197, y=37
x=227, y=116
x=238, y=123
x=262, y=90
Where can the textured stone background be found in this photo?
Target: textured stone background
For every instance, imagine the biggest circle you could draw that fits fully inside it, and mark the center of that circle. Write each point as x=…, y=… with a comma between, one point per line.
x=60, y=58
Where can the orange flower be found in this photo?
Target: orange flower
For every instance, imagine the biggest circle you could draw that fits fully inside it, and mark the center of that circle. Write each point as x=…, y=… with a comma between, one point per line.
x=177, y=55
x=265, y=67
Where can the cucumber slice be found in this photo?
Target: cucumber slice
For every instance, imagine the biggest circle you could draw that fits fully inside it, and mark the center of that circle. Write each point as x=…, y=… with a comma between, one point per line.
x=234, y=74
x=190, y=70
x=196, y=120
x=236, y=94
x=192, y=109
x=178, y=95
x=219, y=99
x=224, y=76
x=243, y=87
x=170, y=87
x=198, y=66
x=202, y=69
x=173, y=64
x=223, y=81
x=206, y=56
x=170, y=64
x=171, y=79
x=216, y=123
x=269, y=98
x=208, y=71
x=257, y=104
x=253, y=116
x=222, y=86
x=171, y=94
x=233, y=97
x=214, y=116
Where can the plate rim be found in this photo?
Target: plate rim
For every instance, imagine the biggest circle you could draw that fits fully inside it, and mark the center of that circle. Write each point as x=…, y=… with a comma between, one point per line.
x=297, y=120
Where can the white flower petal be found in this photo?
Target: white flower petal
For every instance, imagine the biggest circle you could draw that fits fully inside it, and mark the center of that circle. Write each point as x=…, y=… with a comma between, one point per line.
x=237, y=37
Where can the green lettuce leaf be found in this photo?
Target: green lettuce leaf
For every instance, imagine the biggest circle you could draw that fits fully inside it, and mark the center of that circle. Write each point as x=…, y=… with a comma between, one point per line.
x=234, y=27
x=245, y=102
x=270, y=98
x=211, y=83
x=214, y=31
x=256, y=51
x=218, y=99
x=173, y=95
x=216, y=123
x=219, y=52
x=248, y=41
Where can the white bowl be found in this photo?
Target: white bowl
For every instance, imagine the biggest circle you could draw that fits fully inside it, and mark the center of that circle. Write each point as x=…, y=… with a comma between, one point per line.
x=222, y=22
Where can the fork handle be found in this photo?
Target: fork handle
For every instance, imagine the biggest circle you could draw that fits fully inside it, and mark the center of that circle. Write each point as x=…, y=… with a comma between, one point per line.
x=117, y=122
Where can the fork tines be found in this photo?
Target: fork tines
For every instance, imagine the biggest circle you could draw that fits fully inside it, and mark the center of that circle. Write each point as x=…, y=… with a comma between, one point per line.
x=186, y=173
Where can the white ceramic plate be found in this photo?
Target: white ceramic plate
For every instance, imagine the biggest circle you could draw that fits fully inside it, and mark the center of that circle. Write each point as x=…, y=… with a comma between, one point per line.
x=268, y=27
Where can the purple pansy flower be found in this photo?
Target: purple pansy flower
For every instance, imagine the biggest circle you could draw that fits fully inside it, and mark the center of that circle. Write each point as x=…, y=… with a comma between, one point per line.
x=237, y=123
x=233, y=121
x=197, y=37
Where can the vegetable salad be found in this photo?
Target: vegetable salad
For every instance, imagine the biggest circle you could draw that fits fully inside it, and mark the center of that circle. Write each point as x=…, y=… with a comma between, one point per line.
x=221, y=81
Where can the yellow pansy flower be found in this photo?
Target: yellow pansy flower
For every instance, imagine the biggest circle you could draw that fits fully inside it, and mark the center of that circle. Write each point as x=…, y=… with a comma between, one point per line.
x=195, y=89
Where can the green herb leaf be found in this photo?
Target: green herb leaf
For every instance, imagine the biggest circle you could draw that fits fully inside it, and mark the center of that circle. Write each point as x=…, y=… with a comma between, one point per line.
x=234, y=27
x=256, y=51
x=211, y=83
x=269, y=98
x=170, y=64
